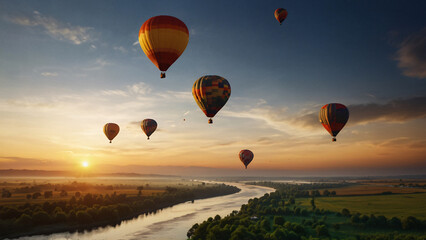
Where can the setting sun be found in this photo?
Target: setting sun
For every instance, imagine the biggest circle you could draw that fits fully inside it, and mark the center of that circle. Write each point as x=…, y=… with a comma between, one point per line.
x=85, y=164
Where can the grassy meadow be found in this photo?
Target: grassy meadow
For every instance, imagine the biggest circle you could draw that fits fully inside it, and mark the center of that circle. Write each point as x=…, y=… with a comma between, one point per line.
x=395, y=205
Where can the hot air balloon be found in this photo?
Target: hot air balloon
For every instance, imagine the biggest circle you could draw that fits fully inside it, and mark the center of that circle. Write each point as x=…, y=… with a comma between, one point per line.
x=148, y=126
x=163, y=39
x=211, y=92
x=333, y=117
x=111, y=130
x=280, y=15
x=246, y=156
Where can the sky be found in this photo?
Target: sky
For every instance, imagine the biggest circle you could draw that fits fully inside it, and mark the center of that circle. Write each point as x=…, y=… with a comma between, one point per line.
x=69, y=67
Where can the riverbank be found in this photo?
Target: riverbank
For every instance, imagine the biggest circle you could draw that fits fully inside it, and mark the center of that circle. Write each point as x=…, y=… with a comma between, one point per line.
x=93, y=216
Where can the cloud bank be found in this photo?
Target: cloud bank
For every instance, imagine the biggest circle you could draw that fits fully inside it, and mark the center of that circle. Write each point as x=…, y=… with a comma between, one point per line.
x=411, y=55
x=56, y=29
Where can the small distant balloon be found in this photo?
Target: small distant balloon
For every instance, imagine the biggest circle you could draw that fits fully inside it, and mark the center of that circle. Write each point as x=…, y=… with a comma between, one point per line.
x=148, y=126
x=211, y=93
x=280, y=15
x=246, y=156
x=333, y=117
x=111, y=130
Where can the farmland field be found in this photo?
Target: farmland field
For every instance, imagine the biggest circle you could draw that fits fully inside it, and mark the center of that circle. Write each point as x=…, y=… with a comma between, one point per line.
x=21, y=187
x=374, y=187
x=395, y=205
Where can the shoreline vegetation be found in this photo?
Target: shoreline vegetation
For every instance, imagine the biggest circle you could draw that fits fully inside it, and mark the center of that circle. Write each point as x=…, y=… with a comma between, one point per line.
x=313, y=211
x=90, y=211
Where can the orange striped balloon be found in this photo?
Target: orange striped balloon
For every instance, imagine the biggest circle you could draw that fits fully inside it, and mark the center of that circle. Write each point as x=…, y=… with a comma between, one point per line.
x=163, y=39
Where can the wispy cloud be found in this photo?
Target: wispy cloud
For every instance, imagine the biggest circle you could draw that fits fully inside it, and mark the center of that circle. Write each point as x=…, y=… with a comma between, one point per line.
x=56, y=29
x=98, y=64
x=411, y=55
x=120, y=49
x=139, y=88
x=49, y=74
x=395, y=111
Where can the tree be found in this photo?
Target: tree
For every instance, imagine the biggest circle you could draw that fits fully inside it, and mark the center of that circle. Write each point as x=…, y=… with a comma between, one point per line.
x=279, y=220
x=322, y=231
x=333, y=193
x=313, y=203
x=6, y=193
x=326, y=193
x=346, y=212
x=41, y=217
x=83, y=217
x=29, y=196
x=140, y=188
x=411, y=223
x=355, y=218
x=48, y=194
x=77, y=194
x=395, y=223
x=24, y=220
x=241, y=233
x=63, y=193
x=36, y=195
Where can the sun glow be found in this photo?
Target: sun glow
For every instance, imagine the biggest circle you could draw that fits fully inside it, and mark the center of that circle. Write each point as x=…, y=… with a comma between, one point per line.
x=85, y=164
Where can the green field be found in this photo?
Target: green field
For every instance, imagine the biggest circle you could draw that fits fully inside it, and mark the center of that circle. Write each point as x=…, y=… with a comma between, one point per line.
x=395, y=205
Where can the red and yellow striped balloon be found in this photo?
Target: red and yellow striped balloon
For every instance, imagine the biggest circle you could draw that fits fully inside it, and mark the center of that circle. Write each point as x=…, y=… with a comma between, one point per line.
x=111, y=130
x=163, y=39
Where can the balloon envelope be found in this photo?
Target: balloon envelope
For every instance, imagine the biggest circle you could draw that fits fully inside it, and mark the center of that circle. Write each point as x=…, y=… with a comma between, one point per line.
x=163, y=39
x=111, y=130
x=333, y=117
x=148, y=126
x=280, y=15
x=246, y=156
x=211, y=93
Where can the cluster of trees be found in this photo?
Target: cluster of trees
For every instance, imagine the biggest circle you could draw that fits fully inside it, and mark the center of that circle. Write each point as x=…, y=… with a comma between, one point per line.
x=5, y=193
x=260, y=218
x=304, y=190
x=277, y=216
x=372, y=221
x=92, y=210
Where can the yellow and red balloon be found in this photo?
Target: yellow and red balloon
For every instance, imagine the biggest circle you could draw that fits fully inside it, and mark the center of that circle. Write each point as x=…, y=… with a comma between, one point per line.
x=163, y=39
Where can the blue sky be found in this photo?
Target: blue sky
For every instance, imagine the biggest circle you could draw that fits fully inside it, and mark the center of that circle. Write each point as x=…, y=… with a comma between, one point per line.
x=78, y=63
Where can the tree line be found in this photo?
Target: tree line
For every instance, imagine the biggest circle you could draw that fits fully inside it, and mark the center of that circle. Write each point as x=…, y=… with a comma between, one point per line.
x=273, y=216
x=91, y=210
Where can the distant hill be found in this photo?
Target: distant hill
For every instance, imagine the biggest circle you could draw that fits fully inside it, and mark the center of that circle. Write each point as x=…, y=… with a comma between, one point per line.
x=44, y=173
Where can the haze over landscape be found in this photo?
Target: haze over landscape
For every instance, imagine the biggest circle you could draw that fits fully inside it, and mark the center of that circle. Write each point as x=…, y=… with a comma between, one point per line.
x=67, y=68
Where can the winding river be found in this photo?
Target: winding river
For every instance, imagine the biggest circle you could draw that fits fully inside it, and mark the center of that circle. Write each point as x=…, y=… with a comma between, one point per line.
x=169, y=223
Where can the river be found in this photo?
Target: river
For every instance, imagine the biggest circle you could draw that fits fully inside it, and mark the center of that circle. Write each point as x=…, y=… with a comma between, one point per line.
x=169, y=223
